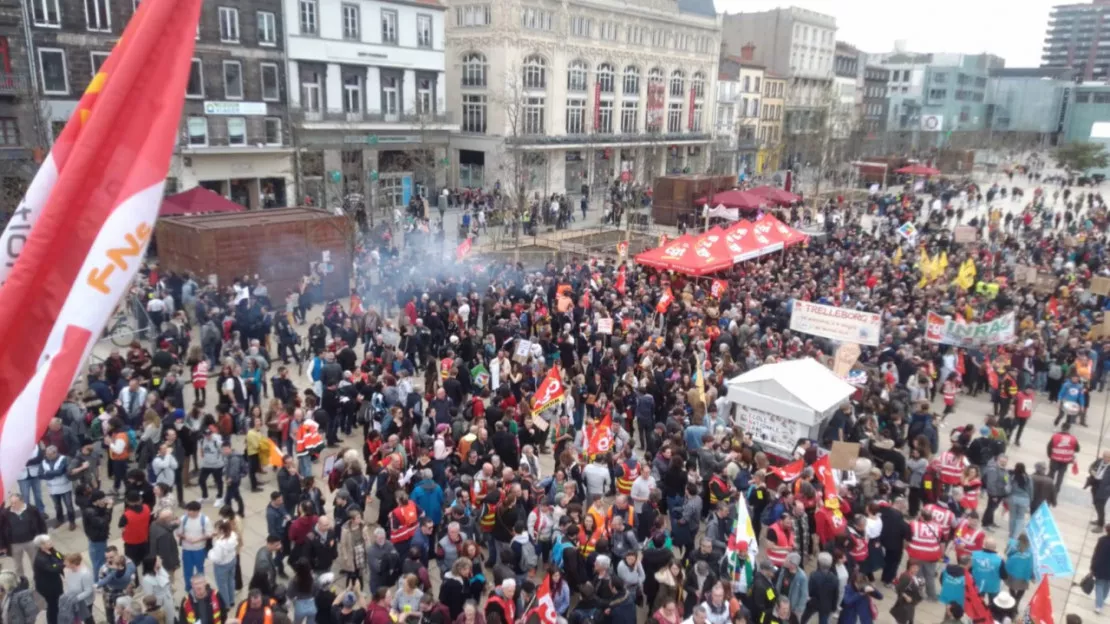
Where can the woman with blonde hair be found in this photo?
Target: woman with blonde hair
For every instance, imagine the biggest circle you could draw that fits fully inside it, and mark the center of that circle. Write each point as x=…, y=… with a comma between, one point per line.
x=224, y=554
x=408, y=596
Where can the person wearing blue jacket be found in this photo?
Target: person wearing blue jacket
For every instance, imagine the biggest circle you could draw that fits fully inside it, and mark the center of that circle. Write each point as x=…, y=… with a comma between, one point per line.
x=952, y=583
x=987, y=569
x=855, y=608
x=1019, y=566
x=428, y=496
x=1071, y=390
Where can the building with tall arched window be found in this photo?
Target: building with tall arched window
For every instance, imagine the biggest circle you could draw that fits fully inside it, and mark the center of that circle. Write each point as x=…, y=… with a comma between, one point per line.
x=574, y=96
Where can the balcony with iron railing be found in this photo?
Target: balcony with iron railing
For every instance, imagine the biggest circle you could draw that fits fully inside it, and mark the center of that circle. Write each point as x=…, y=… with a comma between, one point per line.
x=303, y=116
x=14, y=83
x=610, y=138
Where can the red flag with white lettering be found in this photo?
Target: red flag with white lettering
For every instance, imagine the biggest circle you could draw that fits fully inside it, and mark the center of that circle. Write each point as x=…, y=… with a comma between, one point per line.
x=824, y=472
x=550, y=391
x=545, y=605
x=790, y=471
x=664, y=301
x=600, y=438
x=87, y=219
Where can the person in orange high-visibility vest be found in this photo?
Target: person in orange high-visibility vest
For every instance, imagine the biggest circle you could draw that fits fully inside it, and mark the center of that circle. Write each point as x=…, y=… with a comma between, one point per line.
x=257, y=607
x=780, y=542
x=588, y=535
x=1062, y=449
x=403, y=522
x=309, y=441
x=596, y=512
x=621, y=509
x=202, y=605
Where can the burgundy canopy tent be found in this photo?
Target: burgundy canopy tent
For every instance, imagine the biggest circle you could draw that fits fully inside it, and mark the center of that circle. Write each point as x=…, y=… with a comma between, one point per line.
x=734, y=199
x=775, y=195
x=918, y=170
x=197, y=201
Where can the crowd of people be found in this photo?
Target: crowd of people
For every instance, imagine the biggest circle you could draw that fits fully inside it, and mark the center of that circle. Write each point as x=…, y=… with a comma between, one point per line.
x=417, y=476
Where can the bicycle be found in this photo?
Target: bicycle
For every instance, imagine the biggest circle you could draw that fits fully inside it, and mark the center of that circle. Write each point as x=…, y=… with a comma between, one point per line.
x=120, y=331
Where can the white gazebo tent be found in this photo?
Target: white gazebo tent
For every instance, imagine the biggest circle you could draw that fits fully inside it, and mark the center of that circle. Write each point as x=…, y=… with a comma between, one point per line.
x=783, y=402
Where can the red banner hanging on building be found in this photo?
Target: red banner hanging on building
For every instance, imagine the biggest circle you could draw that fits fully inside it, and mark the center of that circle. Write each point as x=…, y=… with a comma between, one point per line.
x=597, y=106
x=690, y=123
x=656, y=96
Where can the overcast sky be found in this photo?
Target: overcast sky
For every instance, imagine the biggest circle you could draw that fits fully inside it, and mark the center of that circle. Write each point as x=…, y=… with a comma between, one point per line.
x=1014, y=31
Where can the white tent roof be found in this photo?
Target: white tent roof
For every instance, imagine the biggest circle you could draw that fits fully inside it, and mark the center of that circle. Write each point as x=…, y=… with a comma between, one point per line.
x=798, y=381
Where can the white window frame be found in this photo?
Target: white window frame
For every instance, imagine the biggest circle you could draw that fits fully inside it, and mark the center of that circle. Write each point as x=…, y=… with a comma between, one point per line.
x=267, y=25
x=223, y=75
x=232, y=24
x=535, y=73
x=391, y=95
x=189, y=134
x=265, y=131
x=630, y=107
x=420, y=34
x=473, y=15
x=44, y=6
x=245, y=140
x=606, y=77
x=262, y=67
x=474, y=64
x=631, y=74
x=576, y=115
x=425, y=96
x=309, y=9
x=357, y=91
x=316, y=87
x=605, y=117
x=92, y=61
x=351, y=17
x=578, y=76
x=392, y=24
x=42, y=71
x=534, y=115
x=103, y=22
x=200, y=72
x=471, y=104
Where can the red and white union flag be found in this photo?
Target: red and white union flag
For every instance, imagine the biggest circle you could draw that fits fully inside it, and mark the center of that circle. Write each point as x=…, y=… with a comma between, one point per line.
x=77, y=239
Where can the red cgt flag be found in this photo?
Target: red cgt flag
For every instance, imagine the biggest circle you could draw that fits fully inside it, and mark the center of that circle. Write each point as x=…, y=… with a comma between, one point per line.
x=790, y=471
x=600, y=438
x=620, y=285
x=717, y=288
x=550, y=391
x=86, y=220
x=824, y=472
x=463, y=250
x=545, y=605
x=1040, y=605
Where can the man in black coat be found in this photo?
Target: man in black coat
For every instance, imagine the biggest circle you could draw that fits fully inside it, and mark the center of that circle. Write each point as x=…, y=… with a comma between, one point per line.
x=574, y=566
x=893, y=537
x=824, y=589
x=762, y=593
x=505, y=445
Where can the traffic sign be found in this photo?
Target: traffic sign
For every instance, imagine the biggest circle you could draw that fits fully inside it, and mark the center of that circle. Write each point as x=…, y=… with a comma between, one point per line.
x=373, y=175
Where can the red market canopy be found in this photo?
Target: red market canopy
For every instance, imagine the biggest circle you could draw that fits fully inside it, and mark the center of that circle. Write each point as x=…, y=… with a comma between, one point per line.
x=197, y=201
x=734, y=199
x=918, y=170
x=669, y=255
x=779, y=232
x=690, y=255
x=775, y=195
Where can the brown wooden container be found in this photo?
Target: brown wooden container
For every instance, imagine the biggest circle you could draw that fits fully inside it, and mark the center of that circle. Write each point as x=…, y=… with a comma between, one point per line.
x=673, y=196
x=280, y=245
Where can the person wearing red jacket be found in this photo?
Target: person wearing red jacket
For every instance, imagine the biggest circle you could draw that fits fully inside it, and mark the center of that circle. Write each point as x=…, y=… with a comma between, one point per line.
x=1023, y=410
x=377, y=612
x=831, y=523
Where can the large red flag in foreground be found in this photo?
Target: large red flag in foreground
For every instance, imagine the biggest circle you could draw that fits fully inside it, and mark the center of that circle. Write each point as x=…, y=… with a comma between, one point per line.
x=86, y=221
x=1040, y=606
x=600, y=438
x=544, y=611
x=974, y=608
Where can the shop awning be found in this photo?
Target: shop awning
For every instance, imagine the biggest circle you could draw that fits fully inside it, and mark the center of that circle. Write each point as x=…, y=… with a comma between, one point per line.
x=918, y=170
x=744, y=242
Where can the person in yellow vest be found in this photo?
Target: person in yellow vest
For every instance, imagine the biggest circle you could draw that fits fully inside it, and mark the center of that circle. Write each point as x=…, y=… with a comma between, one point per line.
x=487, y=519
x=202, y=604
x=597, y=511
x=403, y=522
x=256, y=609
x=719, y=489
x=626, y=472
x=589, y=533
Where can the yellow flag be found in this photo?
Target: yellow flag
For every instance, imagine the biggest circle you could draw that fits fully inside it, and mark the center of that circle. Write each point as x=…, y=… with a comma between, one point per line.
x=922, y=258
x=898, y=255
x=966, y=277
x=943, y=262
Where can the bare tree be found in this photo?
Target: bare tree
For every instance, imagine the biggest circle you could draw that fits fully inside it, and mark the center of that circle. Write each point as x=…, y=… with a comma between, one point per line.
x=518, y=162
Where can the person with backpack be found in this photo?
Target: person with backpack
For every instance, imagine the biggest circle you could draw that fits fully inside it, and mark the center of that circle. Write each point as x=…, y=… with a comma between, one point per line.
x=194, y=531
